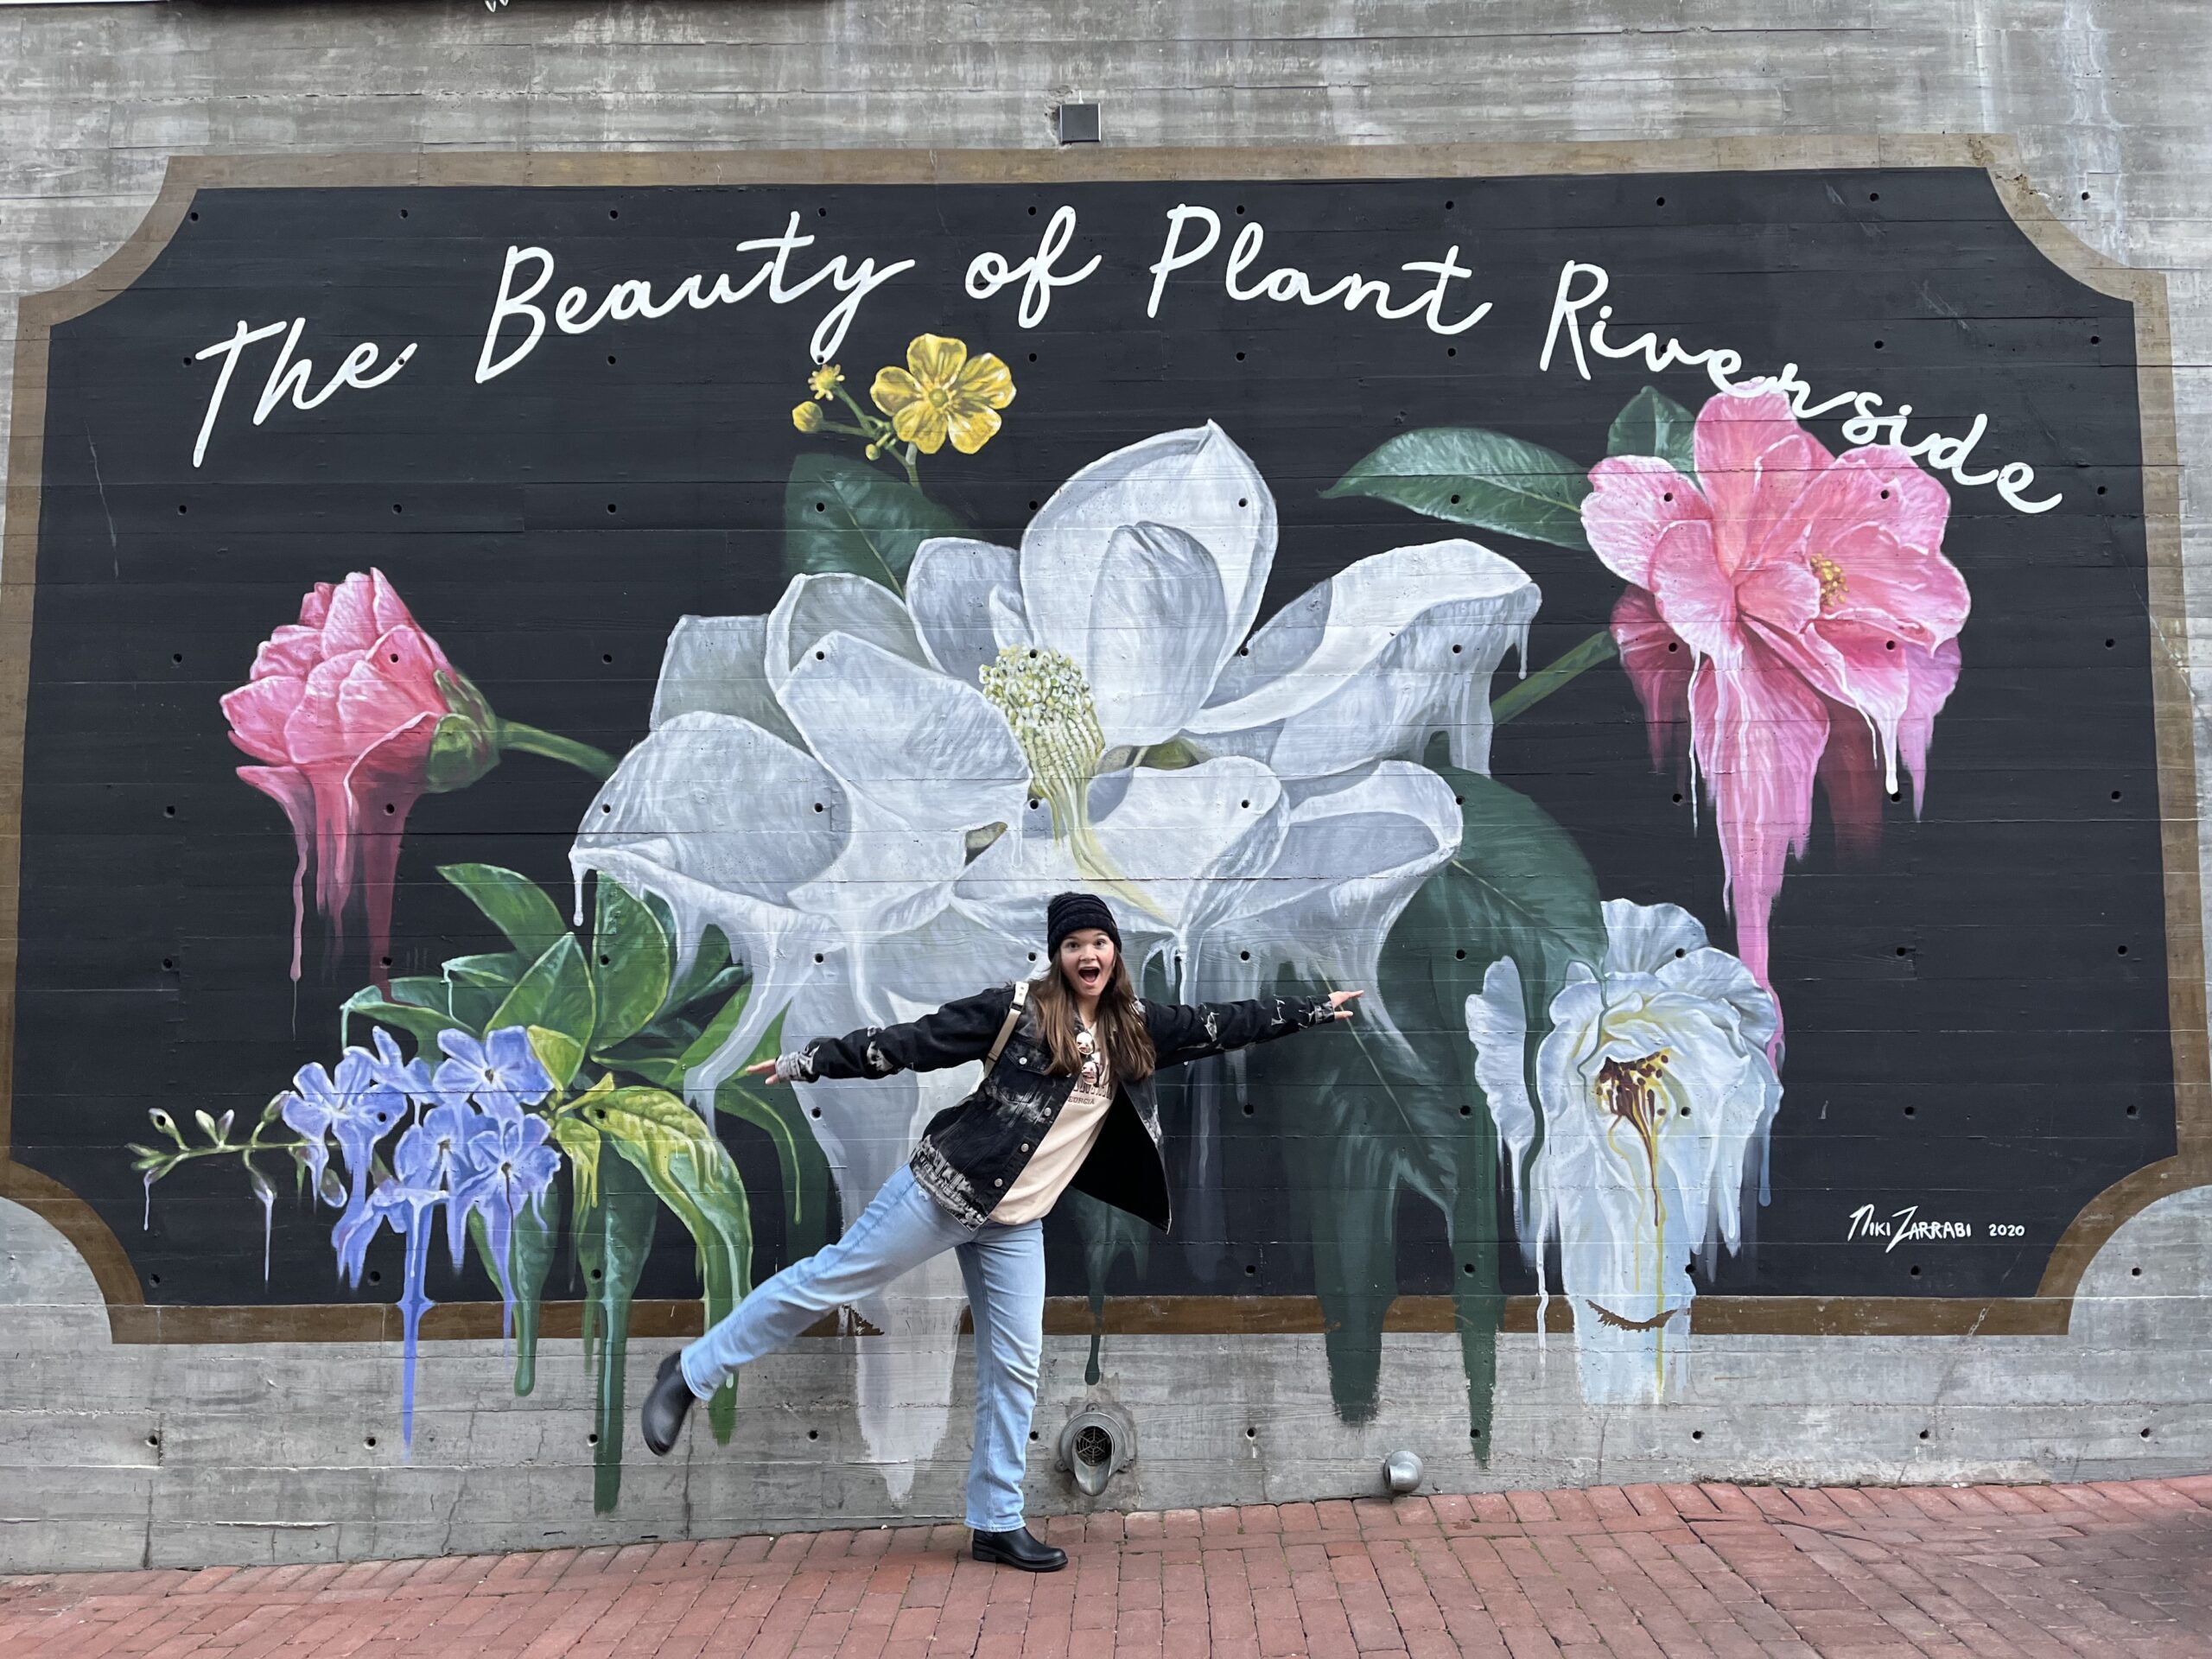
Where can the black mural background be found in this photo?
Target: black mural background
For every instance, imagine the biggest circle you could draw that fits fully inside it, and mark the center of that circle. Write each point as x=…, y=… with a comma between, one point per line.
x=1966, y=1034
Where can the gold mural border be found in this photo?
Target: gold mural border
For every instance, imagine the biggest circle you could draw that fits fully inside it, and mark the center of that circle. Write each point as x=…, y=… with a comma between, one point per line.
x=2047, y=1313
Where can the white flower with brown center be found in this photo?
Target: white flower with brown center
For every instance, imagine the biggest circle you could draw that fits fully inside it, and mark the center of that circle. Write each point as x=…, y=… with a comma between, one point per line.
x=1654, y=1095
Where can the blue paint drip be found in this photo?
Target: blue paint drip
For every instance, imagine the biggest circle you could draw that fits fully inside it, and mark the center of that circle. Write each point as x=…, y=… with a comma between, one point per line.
x=413, y=1304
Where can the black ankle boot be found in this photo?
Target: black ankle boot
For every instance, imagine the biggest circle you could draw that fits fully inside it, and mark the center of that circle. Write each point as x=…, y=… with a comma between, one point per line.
x=667, y=1403
x=1018, y=1548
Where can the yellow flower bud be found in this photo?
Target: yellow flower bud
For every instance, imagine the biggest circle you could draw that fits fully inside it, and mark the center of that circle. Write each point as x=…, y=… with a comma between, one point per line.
x=825, y=379
x=807, y=417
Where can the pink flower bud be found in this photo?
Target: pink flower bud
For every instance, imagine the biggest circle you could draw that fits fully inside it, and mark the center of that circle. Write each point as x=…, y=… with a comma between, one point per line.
x=359, y=714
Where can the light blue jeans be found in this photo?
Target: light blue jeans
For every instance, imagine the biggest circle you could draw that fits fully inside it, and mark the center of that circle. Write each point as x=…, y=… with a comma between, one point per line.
x=1005, y=1270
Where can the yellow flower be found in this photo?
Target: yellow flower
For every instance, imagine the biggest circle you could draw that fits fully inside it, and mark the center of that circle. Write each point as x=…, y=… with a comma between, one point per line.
x=825, y=379
x=941, y=392
x=807, y=417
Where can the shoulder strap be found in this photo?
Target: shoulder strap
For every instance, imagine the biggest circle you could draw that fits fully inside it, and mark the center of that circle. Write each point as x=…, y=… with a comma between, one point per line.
x=1013, y=1019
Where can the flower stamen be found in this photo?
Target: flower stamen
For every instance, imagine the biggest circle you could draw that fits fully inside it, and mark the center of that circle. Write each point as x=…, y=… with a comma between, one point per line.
x=1045, y=699
x=1830, y=575
x=1048, y=704
x=1628, y=1090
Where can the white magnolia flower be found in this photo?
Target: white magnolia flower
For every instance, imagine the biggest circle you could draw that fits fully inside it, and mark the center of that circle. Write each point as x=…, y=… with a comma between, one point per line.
x=873, y=795
x=1655, y=1094
x=1139, y=581
x=1007, y=702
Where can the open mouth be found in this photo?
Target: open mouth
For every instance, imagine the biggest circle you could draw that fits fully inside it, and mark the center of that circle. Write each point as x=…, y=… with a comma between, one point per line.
x=1090, y=976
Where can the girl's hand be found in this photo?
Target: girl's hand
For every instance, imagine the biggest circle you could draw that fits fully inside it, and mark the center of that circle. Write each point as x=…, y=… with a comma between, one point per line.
x=765, y=1070
x=1340, y=1003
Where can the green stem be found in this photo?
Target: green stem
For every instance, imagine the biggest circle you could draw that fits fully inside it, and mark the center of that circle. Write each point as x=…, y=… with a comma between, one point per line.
x=227, y=1149
x=1598, y=648
x=873, y=427
x=878, y=432
x=513, y=735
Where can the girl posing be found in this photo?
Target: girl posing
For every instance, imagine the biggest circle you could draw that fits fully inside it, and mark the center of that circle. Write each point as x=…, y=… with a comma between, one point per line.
x=1066, y=1100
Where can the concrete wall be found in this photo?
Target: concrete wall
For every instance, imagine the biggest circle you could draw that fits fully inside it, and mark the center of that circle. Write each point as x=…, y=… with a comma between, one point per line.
x=167, y=1454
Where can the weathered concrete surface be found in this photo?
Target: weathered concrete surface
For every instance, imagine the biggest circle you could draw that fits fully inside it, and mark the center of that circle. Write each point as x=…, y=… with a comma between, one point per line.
x=275, y=1453
x=130, y=1456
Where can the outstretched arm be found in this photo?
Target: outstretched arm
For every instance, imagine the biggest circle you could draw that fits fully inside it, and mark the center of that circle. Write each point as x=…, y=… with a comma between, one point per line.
x=958, y=1032
x=1181, y=1032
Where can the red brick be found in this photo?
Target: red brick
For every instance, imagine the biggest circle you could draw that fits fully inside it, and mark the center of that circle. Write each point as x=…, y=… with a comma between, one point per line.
x=1530, y=1506
x=2197, y=1488
x=1690, y=1501
x=1337, y=1514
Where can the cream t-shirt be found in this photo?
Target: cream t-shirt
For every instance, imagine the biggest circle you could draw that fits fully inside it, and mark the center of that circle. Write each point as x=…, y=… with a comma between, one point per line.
x=1066, y=1143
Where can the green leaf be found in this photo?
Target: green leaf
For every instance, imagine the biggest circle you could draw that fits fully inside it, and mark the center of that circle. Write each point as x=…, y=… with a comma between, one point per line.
x=580, y=1142
x=664, y=1039
x=719, y=1028
x=631, y=973
x=514, y=905
x=557, y=1052
x=1468, y=475
x=710, y=961
x=698, y=988
x=1655, y=424
x=477, y=985
x=557, y=993
x=661, y=1072
x=614, y=1237
x=420, y=1023
x=690, y=1172
x=531, y=1241
x=846, y=515
x=473, y=1006
x=496, y=971
x=530, y=1258
x=1363, y=1119
x=799, y=1162
x=1516, y=886
x=422, y=991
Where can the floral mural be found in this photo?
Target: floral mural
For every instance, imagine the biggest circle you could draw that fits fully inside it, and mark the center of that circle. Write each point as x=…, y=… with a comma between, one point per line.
x=850, y=808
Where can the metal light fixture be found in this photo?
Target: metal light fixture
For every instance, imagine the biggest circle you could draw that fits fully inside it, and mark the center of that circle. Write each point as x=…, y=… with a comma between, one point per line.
x=1078, y=123
x=1402, y=1473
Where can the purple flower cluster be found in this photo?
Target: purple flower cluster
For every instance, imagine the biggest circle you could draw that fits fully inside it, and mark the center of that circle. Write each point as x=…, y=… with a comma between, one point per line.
x=466, y=1143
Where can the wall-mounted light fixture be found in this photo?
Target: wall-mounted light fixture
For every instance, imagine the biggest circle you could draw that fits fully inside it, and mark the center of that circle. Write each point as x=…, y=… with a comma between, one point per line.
x=1078, y=123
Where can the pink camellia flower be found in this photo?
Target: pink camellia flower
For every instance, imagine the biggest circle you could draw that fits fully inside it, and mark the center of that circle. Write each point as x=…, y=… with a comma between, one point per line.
x=359, y=714
x=1796, y=609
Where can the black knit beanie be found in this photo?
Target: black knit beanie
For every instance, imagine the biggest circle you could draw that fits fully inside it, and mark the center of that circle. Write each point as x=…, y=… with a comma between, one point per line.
x=1070, y=912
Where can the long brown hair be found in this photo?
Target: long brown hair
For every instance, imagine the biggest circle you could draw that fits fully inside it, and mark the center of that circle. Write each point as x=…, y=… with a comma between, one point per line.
x=1121, y=1032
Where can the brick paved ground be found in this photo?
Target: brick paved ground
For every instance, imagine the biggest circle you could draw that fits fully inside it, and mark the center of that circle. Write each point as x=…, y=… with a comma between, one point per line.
x=1648, y=1571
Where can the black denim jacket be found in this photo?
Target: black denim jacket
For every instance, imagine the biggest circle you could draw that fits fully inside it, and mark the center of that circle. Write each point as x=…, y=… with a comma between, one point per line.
x=970, y=1153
